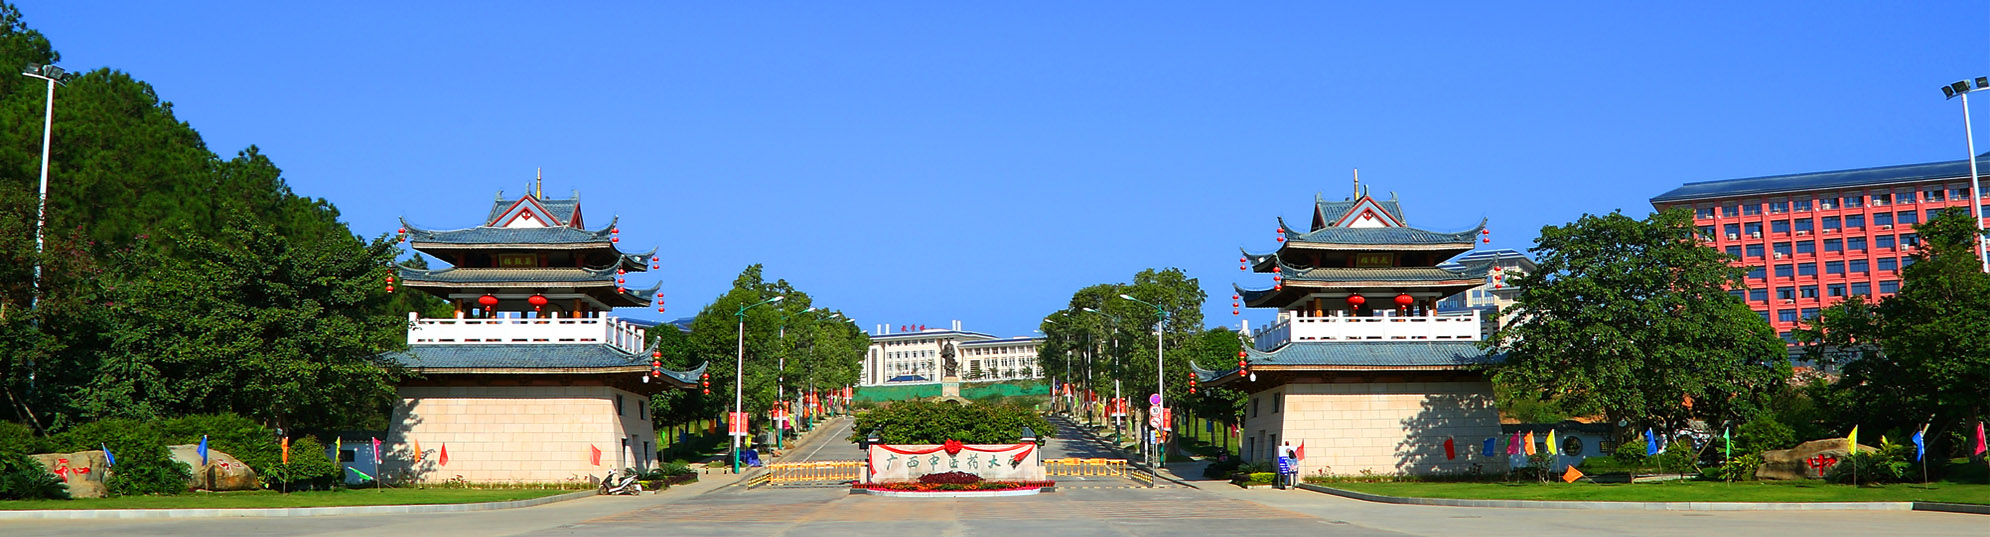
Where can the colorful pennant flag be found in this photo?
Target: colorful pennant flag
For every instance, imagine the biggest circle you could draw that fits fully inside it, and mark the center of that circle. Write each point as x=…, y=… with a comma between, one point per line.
x=1725, y=435
x=203, y=450
x=1301, y=452
x=1450, y=452
x=1651, y=443
x=1571, y=475
x=442, y=459
x=376, y=451
x=1490, y=446
x=1551, y=443
x=1853, y=441
x=1529, y=446
x=109, y=459
x=1981, y=446
x=361, y=474
x=286, y=450
x=1920, y=450
x=596, y=457
x=1513, y=446
x=418, y=453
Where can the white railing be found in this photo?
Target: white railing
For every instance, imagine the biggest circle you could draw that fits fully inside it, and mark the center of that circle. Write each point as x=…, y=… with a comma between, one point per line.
x=1293, y=327
x=509, y=329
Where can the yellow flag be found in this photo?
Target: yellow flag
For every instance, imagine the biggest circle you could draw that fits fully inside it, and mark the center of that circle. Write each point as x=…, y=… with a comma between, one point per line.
x=1551, y=442
x=1530, y=443
x=417, y=451
x=1853, y=441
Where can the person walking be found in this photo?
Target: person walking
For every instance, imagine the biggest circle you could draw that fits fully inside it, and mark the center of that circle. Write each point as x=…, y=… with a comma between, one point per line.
x=1288, y=465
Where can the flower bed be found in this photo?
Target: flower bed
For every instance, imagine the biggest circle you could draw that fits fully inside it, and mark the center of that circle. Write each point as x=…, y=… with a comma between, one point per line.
x=909, y=486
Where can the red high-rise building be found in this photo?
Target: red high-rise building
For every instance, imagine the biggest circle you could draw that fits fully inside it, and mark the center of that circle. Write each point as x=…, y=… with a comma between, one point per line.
x=1812, y=239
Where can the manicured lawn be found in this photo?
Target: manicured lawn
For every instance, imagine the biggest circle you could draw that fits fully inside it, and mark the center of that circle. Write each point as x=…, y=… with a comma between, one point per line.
x=1683, y=491
x=266, y=498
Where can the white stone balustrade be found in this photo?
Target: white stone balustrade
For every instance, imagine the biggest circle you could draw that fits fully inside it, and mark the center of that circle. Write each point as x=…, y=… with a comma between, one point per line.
x=1292, y=327
x=509, y=329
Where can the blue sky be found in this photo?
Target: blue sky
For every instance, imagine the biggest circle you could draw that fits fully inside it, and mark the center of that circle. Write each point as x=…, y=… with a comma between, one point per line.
x=921, y=162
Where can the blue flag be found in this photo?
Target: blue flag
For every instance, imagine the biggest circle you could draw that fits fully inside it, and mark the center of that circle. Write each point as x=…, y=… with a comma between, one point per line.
x=109, y=459
x=1919, y=448
x=1488, y=451
x=203, y=450
x=1651, y=443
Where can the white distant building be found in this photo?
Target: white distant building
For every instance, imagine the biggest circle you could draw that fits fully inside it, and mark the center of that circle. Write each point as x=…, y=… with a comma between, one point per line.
x=913, y=356
x=1489, y=299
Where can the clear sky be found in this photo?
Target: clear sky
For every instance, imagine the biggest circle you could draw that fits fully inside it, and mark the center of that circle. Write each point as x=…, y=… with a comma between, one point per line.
x=921, y=162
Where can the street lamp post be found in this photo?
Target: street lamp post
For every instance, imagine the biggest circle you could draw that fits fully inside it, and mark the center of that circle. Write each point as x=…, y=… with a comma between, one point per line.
x=54, y=75
x=780, y=378
x=1963, y=90
x=739, y=379
x=1119, y=420
x=1160, y=372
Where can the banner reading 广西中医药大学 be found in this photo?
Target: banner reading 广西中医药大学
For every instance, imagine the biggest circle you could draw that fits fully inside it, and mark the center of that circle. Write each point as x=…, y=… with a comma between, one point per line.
x=889, y=462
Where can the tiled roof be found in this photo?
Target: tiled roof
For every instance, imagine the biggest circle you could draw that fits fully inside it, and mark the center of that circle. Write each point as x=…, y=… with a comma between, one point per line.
x=553, y=358
x=1003, y=341
x=1334, y=210
x=508, y=235
x=1381, y=236
x=505, y=275
x=1393, y=274
x=1883, y=175
x=1358, y=355
x=563, y=210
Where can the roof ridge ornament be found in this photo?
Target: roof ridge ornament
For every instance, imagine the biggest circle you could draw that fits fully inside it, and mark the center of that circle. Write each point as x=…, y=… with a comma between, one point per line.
x=539, y=183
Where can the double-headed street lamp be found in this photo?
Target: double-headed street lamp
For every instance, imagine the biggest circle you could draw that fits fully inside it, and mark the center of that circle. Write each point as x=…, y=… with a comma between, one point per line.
x=1116, y=420
x=1961, y=88
x=739, y=381
x=1160, y=372
x=54, y=75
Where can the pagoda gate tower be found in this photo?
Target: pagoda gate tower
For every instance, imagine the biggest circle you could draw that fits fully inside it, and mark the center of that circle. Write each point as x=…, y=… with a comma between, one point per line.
x=1358, y=367
x=532, y=379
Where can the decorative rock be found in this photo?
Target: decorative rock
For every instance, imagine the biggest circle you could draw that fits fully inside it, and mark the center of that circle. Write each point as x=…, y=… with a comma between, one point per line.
x=83, y=471
x=222, y=472
x=1794, y=464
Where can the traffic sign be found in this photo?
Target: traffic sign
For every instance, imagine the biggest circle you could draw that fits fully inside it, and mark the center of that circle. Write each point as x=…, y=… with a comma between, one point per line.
x=1154, y=420
x=1154, y=399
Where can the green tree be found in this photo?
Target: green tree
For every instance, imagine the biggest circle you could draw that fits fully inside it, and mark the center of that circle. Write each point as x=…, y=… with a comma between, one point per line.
x=1632, y=319
x=822, y=353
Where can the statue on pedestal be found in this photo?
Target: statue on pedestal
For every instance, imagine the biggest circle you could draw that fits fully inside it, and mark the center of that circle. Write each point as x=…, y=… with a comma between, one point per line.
x=950, y=367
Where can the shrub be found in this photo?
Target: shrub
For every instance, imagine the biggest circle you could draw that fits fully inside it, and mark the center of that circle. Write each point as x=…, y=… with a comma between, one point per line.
x=1630, y=454
x=144, y=466
x=309, y=468
x=241, y=437
x=925, y=422
x=1221, y=469
x=1764, y=433
x=1260, y=478
x=21, y=478
x=956, y=478
x=1740, y=468
x=1891, y=463
x=19, y=439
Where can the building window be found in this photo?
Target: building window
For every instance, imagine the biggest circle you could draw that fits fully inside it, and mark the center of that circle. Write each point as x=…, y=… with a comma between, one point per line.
x=1827, y=203
x=1959, y=193
x=1740, y=294
x=1758, y=295
x=1782, y=249
x=1836, y=290
x=1810, y=314
x=1862, y=288
x=1909, y=217
x=1765, y=315
x=1854, y=202
x=1834, y=245
x=1734, y=250
x=1733, y=230
x=1882, y=219
x=1254, y=407
x=1786, y=293
x=1707, y=232
x=1779, y=207
x=1855, y=221
x=1801, y=224
x=1802, y=205
x=1703, y=213
x=1906, y=261
x=1751, y=209
x=1277, y=403
x=618, y=405
x=1859, y=266
x=1880, y=200
x=1834, y=267
x=1808, y=291
x=1779, y=226
x=1754, y=228
x=1889, y=287
x=1731, y=210
x=1806, y=247
x=1788, y=316
x=1831, y=223
x=1888, y=264
x=1934, y=195
x=1806, y=269
x=1856, y=244
x=1910, y=239
x=1883, y=241
x=1757, y=273
x=1785, y=271
x=1754, y=250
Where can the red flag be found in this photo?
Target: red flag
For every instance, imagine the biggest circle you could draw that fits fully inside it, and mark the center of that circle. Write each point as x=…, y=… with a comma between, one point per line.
x=1301, y=452
x=1513, y=446
x=1450, y=451
x=442, y=459
x=376, y=451
x=1981, y=446
x=596, y=458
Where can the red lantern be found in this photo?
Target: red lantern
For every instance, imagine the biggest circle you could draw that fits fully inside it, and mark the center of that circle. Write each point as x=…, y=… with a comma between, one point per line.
x=621, y=289
x=1356, y=300
x=390, y=279
x=1277, y=278
x=1236, y=312
x=1240, y=355
x=614, y=230
x=1404, y=300
x=1235, y=297
x=654, y=266
x=655, y=363
x=1485, y=232
x=1243, y=260
x=614, y=239
x=659, y=310
x=390, y=288
x=1281, y=238
x=619, y=281
x=656, y=354
x=1276, y=270
x=536, y=300
x=487, y=301
x=619, y=272
x=403, y=231
x=1487, y=241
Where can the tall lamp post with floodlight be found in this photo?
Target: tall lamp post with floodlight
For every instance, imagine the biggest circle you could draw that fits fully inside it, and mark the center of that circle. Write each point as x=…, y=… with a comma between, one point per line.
x=54, y=75
x=1117, y=420
x=739, y=381
x=1961, y=88
x=1160, y=373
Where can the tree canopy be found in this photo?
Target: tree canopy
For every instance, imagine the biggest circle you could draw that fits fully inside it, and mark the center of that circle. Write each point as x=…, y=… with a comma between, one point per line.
x=791, y=344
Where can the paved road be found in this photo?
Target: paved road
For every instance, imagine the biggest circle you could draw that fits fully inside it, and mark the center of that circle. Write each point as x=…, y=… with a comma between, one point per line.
x=829, y=442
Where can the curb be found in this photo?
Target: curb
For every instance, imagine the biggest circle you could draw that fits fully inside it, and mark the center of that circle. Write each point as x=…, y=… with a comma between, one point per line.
x=256, y=512
x=1658, y=506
